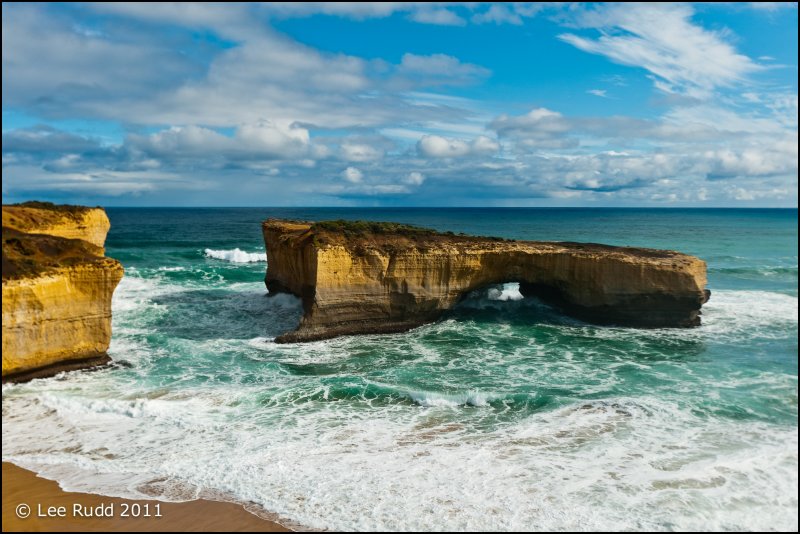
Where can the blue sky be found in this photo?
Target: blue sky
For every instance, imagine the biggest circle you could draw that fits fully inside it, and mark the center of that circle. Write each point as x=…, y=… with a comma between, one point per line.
x=401, y=104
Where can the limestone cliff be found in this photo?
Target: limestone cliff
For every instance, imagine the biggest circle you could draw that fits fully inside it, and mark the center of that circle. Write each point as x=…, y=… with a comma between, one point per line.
x=72, y=222
x=56, y=290
x=360, y=277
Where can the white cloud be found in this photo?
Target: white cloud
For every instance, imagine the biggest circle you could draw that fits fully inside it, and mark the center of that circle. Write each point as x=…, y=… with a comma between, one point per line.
x=543, y=128
x=415, y=178
x=45, y=139
x=333, y=111
x=752, y=161
x=683, y=57
x=665, y=159
x=261, y=140
x=132, y=78
x=91, y=181
x=360, y=152
x=440, y=69
x=498, y=14
x=484, y=145
x=443, y=17
x=355, y=10
x=436, y=146
x=50, y=67
x=441, y=13
x=540, y=127
x=771, y=6
x=352, y=175
x=230, y=20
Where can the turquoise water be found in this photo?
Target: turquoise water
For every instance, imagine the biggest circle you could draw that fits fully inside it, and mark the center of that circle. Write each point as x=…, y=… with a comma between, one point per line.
x=503, y=415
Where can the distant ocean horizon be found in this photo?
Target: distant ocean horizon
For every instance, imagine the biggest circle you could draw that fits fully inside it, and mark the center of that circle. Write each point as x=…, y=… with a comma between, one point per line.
x=504, y=415
x=406, y=208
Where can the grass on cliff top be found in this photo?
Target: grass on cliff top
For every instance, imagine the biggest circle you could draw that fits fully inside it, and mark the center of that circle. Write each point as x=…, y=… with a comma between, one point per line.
x=29, y=255
x=383, y=234
x=61, y=208
x=64, y=210
x=362, y=228
x=34, y=215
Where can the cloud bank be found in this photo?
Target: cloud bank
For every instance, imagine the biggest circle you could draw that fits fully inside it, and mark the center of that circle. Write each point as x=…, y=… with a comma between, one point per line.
x=205, y=104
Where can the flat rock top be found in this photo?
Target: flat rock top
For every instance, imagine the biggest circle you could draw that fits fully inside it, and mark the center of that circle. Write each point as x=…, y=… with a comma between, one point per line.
x=34, y=216
x=30, y=255
x=394, y=237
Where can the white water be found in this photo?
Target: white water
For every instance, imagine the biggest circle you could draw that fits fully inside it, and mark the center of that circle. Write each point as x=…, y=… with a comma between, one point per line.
x=236, y=255
x=604, y=465
x=440, y=462
x=508, y=292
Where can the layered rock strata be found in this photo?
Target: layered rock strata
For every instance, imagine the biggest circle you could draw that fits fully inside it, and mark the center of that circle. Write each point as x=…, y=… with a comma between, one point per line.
x=361, y=277
x=57, y=289
x=72, y=222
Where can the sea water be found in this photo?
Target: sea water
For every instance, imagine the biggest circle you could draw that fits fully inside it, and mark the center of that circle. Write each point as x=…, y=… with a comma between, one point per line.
x=504, y=414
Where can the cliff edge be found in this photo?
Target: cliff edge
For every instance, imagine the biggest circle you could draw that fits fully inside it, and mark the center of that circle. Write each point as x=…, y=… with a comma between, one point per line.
x=72, y=222
x=358, y=277
x=57, y=289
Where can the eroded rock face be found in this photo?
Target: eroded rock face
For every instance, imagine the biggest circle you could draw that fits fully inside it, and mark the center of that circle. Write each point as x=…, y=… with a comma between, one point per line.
x=359, y=278
x=56, y=290
x=72, y=222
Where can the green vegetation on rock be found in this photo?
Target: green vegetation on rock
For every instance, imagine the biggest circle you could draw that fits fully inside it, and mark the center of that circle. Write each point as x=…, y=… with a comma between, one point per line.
x=361, y=228
x=29, y=255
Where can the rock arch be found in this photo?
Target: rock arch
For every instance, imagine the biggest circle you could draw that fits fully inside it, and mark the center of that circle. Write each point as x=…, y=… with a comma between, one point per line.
x=361, y=278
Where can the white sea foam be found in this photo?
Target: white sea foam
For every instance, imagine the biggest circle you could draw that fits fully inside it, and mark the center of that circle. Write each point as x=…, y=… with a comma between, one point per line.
x=429, y=399
x=612, y=464
x=744, y=310
x=507, y=292
x=494, y=297
x=442, y=463
x=236, y=255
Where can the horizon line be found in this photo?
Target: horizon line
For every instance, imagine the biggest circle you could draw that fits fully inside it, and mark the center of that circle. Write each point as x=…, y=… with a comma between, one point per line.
x=477, y=207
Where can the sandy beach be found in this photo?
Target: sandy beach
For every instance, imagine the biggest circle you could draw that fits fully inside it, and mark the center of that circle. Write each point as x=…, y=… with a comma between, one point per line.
x=23, y=487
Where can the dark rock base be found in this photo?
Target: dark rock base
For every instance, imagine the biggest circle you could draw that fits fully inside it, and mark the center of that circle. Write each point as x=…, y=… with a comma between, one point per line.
x=91, y=362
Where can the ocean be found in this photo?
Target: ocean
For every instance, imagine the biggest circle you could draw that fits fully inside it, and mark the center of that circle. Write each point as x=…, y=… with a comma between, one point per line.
x=504, y=415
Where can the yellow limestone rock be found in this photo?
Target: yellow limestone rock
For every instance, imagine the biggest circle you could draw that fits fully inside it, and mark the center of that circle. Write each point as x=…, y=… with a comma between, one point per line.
x=72, y=222
x=56, y=290
x=362, y=277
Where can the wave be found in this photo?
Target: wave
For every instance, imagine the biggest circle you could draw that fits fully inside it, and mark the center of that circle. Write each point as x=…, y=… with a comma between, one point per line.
x=750, y=313
x=764, y=271
x=429, y=399
x=487, y=439
x=629, y=462
x=499, y=297
x=505, y=292
x=236, y=255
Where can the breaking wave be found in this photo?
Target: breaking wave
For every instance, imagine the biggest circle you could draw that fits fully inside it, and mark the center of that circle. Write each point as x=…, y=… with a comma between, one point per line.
x=236, y=255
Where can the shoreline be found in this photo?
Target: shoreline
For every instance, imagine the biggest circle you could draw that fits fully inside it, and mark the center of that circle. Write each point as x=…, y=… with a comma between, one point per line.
x=24, y=486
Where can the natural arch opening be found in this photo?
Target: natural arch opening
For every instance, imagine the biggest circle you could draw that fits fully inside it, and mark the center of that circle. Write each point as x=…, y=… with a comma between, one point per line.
x=510, y=301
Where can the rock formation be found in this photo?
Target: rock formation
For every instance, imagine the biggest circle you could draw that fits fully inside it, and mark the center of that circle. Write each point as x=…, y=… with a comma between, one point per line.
x=72, y=222
x=362, y=277
x=57, y=289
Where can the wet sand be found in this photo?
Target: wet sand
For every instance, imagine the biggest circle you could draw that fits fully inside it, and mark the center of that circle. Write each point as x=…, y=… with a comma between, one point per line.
x=21, y=486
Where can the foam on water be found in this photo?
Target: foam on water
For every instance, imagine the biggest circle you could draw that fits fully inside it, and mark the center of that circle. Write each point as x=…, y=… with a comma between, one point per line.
x=505, y=292
x=236, y=255
x=616, y=464
x=504, y=415
x=748, y=313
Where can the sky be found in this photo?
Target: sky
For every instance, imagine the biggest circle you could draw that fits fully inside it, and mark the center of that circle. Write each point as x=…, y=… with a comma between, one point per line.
x=401, y=104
